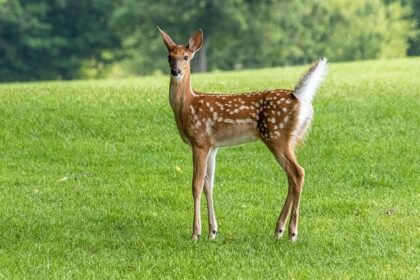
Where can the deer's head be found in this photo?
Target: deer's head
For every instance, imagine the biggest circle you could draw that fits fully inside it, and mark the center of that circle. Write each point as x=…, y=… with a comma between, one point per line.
x=179, y=56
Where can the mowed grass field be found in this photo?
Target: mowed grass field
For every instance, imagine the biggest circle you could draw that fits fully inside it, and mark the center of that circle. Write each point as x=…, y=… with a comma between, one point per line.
x=95, y=182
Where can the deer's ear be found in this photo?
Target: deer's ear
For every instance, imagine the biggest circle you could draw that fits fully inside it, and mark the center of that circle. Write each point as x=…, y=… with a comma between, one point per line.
x=169, y=43
x=196, y=41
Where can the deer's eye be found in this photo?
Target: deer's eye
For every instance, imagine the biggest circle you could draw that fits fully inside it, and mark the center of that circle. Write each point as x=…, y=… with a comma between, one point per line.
x=186, y=57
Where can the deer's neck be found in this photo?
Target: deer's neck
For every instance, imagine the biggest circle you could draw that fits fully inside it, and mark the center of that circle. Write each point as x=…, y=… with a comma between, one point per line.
x=180, y=96
x=180, y=93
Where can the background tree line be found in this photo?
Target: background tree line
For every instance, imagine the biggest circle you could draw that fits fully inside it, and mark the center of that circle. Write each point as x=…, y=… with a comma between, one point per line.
x=67, y=39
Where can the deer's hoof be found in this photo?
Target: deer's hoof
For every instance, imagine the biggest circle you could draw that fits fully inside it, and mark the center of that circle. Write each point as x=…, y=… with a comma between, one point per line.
x=279, y=233
x=293, y=237
x=196, y=236
x=213, y=234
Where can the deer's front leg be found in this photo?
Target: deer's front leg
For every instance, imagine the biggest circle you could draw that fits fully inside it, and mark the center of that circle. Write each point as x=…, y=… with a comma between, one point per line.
x=200, y=155
x=208, y=190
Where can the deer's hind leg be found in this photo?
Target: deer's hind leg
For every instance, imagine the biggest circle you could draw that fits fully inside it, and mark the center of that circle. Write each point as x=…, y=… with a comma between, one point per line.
x=295, y=177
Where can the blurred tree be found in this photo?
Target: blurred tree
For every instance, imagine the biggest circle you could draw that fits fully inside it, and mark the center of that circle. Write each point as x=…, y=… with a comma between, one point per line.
x=368, y=29
x=180, y=18
x=399, y=31
x=339, y=29
x=52, y=39
x=249, y=33
x=414, y=41
x=64, y=39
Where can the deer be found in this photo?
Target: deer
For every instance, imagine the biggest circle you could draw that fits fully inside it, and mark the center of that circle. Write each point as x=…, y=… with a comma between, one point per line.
x=280, y=118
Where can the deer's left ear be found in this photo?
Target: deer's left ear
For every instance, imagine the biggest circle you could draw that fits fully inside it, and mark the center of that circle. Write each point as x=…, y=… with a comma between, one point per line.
x=196, y=41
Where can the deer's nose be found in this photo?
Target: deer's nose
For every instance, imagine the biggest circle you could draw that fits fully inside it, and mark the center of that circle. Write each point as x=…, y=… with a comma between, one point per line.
x=175, y=71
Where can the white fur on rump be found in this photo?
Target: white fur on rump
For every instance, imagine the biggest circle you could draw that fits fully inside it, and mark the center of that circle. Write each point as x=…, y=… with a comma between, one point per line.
x=305, y=91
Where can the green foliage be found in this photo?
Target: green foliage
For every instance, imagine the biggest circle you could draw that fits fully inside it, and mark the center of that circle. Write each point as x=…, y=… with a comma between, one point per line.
x=65, y=39
x=52, y=39
x=341, y=30
x=414, y=41
x=366, y=29
x=244, y=34
x=143, y=46
x=95, y=182
x=397, y=32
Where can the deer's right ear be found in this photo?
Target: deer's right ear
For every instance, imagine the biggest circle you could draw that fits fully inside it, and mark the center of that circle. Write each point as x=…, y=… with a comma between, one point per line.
x=169, y=43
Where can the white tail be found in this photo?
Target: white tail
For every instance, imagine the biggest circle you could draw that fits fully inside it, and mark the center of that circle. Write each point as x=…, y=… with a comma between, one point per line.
x=278, y=117
x=305, y=91
x=309, y=83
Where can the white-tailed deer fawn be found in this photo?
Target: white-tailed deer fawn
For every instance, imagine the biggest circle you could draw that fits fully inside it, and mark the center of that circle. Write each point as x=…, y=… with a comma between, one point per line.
x=206, y=122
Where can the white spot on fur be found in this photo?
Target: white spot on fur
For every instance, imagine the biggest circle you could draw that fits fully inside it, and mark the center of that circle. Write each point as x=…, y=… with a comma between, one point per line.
x=229, y=121
x=209, y=127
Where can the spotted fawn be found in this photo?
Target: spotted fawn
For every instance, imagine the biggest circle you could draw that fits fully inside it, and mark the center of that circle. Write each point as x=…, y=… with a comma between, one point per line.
x=206, y=121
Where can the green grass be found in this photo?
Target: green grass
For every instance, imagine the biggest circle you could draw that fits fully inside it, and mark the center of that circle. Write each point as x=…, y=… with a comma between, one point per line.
x=95, y=182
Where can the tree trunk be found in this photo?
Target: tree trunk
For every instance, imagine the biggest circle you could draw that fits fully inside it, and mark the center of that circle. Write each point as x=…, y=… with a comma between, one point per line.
x=202, y=58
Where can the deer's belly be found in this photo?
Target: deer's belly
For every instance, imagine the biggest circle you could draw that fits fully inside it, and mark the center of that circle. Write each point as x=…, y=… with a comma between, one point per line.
x=234, y=136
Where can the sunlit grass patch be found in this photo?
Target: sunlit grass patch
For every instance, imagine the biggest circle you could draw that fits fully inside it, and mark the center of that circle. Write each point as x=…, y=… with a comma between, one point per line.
x=95, y=182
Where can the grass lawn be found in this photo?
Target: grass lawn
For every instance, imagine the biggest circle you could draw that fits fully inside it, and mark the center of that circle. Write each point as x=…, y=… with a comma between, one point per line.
x=95, y=182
